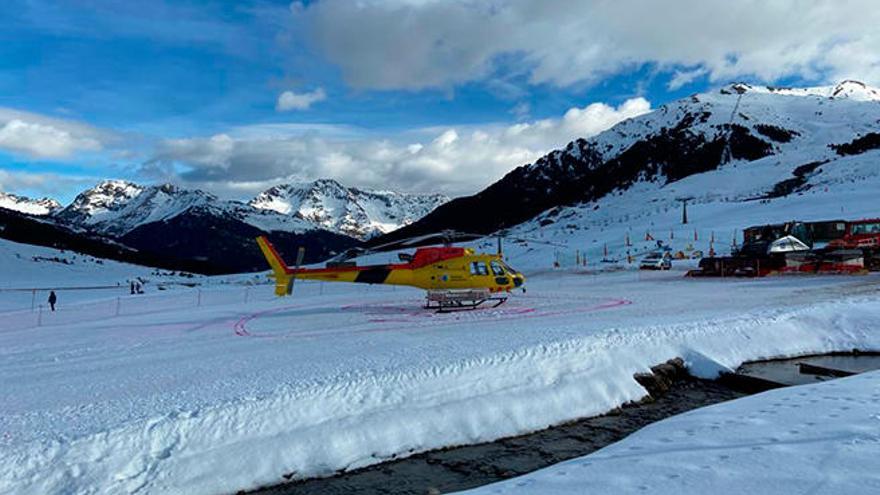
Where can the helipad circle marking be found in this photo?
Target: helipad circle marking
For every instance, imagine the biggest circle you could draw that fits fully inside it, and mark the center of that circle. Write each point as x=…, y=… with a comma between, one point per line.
x=406, y=317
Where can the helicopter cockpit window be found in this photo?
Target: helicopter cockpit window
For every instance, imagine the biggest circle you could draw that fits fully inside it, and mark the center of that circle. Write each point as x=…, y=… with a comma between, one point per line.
x=479, y=268
x=866, y=228
x=497, y=269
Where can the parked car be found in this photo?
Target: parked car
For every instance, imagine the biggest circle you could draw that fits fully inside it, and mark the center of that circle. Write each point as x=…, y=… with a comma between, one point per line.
x=656, y=261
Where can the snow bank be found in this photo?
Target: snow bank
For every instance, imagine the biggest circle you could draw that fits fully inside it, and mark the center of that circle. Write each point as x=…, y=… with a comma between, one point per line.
x=819, y=438
x=360, y=416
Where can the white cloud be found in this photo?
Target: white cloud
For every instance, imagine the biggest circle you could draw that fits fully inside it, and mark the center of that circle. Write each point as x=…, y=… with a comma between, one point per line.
x=453, y=160
x=521, y=110
x=289, y=100
x=414, y=44
x=685, y=77
x=214, y=152
x=38, y=136
x=42, y=184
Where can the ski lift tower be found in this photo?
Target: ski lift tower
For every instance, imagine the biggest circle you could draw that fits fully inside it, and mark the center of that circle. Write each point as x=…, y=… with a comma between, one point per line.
x=684, y=208
x=740, y=89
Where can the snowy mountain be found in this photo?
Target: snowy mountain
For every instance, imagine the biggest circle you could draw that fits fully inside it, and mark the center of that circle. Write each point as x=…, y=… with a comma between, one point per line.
x=853, y=90
x=191, y=227
x=44, y=231
x=733, y=145
x=42, y=206
x=187, y=225
x=355, y=212
x=116, y=207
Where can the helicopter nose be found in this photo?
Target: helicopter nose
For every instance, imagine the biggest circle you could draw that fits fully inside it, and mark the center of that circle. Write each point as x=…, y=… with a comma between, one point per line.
x=518, y=280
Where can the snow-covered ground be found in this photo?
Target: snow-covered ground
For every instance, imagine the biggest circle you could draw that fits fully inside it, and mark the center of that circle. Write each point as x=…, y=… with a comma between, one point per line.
x=822, y=438
x=27, y=273
x=212, y=398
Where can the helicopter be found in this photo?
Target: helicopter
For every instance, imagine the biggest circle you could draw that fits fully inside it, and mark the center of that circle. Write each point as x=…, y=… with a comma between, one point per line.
x=453, y=277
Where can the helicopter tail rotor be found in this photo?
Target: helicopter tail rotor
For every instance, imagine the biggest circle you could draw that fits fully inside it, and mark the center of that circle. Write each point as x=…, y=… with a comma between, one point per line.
x=283, y=275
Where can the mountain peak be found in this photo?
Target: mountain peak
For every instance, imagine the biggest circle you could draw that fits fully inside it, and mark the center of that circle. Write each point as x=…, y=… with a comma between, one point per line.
x=848, y=89
x=355, y=212
x=22, y=204
x=117, y=206
x=119, y=185
x=856, y=90
x=106, y=195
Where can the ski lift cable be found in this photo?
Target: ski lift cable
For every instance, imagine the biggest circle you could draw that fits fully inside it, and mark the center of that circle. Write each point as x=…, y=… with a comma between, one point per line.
x=725, y=154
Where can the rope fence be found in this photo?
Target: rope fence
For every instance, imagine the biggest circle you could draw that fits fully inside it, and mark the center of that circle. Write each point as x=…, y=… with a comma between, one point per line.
x=39, y=314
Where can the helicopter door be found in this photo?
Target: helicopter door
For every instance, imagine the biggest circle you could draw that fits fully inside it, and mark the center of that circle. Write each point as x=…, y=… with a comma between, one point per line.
x=479, y=268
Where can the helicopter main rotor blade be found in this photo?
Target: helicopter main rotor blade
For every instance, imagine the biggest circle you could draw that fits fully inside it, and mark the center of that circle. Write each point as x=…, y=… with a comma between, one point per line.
x=515, y=238
x=444, y=236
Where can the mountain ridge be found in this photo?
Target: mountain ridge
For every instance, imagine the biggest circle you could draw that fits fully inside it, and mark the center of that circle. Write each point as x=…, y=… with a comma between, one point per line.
x=30, y=206
x=359, y=213
x=193, y=228
x=116, y=207
x=731, y=126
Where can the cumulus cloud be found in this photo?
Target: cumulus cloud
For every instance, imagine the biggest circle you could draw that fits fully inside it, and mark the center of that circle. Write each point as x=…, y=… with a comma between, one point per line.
x=453, y=160
x=42, y=184
x=289, y=100
x=415, y=44
x=38, y=136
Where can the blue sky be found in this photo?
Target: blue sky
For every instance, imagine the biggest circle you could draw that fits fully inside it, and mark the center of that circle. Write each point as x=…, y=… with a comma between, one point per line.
x=409, y=91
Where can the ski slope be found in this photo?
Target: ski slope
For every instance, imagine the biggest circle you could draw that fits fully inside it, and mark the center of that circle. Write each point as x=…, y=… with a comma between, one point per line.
x=235, y=393
x=723, y=203
x=28, y=273
x=819, y=438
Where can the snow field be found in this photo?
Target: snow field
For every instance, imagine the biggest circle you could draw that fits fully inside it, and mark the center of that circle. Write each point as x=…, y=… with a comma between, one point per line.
x=341, y=377
x=820, y=438
x=80, y=306
x=24, y=267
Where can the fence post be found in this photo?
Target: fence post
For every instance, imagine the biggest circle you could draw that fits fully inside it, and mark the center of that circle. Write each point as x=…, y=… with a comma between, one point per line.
x=33, y=299
x=117, y=305
x=198, y=297
x=40, y=316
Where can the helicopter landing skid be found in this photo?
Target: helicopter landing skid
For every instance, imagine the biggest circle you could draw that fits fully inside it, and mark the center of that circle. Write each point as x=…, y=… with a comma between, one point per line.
x=459, y=300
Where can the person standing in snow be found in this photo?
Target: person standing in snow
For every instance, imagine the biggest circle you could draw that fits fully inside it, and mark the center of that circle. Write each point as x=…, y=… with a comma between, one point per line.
x=52, y=299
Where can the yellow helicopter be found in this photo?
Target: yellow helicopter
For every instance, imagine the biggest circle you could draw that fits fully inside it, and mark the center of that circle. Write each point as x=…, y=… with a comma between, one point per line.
x=454, y=277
